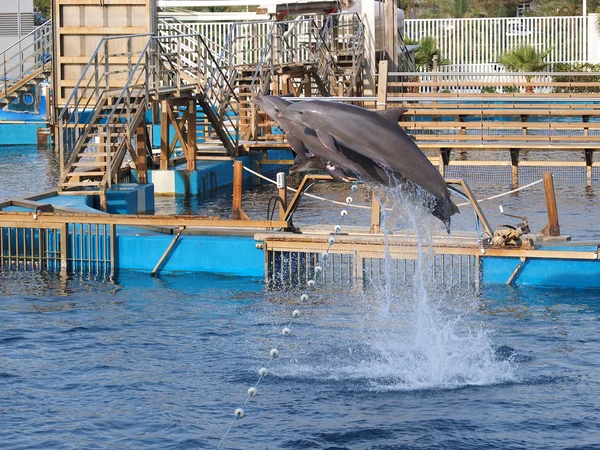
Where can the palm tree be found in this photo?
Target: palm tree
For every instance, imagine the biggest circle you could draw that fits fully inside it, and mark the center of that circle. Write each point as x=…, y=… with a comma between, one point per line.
x=427, y=52
x=525, y=59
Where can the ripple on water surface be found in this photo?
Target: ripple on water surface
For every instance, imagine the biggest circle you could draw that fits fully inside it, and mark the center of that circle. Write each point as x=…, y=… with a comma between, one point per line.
x=162, y=363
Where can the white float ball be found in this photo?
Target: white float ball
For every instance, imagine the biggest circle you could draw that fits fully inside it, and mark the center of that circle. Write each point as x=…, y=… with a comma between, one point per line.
x=286, y=331
x=295, y=314
x=252, y=392
x=274, y=353
x=239, y=413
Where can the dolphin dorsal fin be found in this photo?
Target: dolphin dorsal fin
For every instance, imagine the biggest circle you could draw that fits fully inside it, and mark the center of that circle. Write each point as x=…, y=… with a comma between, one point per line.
x=392, y=115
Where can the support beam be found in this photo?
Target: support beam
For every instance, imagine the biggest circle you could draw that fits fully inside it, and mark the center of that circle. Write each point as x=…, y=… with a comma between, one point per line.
x=164, y=135
x=238, y=180
x=375, y=214
x=514, y=160
x=382, y=84
x=191, y=134
x=390, y=28
x=589, y=161
x=141, y=163
x=552, y=228
x=282, y=193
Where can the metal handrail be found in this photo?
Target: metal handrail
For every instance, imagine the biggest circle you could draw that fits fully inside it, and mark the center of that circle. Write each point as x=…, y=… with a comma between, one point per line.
x=29, y=56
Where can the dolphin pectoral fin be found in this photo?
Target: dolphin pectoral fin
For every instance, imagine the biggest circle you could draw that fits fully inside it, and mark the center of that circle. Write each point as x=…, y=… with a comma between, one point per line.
x=296, y=145
x=392, y=115
x=327, y=141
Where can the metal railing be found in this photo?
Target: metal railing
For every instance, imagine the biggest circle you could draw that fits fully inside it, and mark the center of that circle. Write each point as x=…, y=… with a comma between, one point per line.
x=30, y=55
x=483, y=40
x=106, y=71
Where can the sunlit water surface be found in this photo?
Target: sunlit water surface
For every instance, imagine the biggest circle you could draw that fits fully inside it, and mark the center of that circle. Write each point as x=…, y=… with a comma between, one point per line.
x=138, y=362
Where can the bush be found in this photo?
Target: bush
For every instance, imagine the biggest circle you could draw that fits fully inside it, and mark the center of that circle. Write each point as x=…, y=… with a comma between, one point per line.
x=593, y=77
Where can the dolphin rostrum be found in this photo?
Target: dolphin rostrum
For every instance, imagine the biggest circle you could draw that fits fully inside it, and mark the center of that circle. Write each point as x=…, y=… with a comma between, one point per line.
x=376, y=137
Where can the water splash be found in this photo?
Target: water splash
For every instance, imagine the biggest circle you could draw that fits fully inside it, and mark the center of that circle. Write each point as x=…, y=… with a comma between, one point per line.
x=416, y=337
x=420, y=342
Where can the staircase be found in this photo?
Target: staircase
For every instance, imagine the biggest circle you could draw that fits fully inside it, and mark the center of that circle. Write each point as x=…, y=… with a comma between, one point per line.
x=96, y=131
x=213, y=73
x=104, y=119
x=26, y=63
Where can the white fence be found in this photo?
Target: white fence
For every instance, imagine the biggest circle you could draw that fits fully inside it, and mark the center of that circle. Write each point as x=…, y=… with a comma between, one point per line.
x=482, y=41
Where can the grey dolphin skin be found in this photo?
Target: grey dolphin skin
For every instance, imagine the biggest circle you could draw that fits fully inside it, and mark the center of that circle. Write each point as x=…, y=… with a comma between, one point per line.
x=377, y=137
x=313, y=155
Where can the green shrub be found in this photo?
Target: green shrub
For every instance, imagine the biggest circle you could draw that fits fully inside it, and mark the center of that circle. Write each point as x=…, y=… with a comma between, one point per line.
x=593, y=77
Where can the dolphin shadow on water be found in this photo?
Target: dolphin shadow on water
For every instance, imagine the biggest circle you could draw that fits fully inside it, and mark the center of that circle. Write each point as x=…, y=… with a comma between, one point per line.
x=349, y=141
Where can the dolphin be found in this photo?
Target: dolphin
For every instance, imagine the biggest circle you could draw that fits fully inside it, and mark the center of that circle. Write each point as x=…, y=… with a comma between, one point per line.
x=341, y=163
x=377, y=137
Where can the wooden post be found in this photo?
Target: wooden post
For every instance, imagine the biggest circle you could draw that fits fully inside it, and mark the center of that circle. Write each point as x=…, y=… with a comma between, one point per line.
x=552, y=228
x=141, y=156
x=164, y=136
x=238, y=175
x=64, y=246
x=514, y=160
x=589, y=161
x=191, y=134
x=382, y=83
x=282, y=192
x=391, y=33
x=375, y=214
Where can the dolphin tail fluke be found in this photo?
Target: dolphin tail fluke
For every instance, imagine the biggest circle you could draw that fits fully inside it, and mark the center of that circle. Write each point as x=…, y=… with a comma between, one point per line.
x=452, y=208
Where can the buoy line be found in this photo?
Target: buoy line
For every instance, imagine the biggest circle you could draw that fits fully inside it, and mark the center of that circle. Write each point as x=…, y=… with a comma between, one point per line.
x=286, y=331
x=335, y=202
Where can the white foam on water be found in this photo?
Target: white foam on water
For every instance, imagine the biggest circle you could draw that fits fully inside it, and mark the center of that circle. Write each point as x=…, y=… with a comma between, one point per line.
x=425, y=343
x=408, y=338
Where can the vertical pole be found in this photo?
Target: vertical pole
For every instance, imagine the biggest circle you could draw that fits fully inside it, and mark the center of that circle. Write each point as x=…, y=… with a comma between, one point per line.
x=64, y=246
x=164, y=136
x=382, y=84
x=141, y=157
x=113, y=249
x=191, y=134
x=553, y=228
x=238, y=172
x=589, y=161
x=391, y=33
x=375, y=214
x=282, y=192
x=514, y=159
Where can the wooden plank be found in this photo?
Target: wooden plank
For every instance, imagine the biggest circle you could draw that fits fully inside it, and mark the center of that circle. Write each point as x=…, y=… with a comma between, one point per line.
x=347, y=245
x=133, y=220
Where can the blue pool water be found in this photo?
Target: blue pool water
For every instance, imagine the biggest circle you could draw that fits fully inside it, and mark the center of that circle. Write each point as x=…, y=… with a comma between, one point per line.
x=137, y=362
x=163, y=363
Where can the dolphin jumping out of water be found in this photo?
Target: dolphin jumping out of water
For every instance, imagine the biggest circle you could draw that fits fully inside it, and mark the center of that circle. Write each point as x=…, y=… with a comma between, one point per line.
x=377, y=137
x=340, y=163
